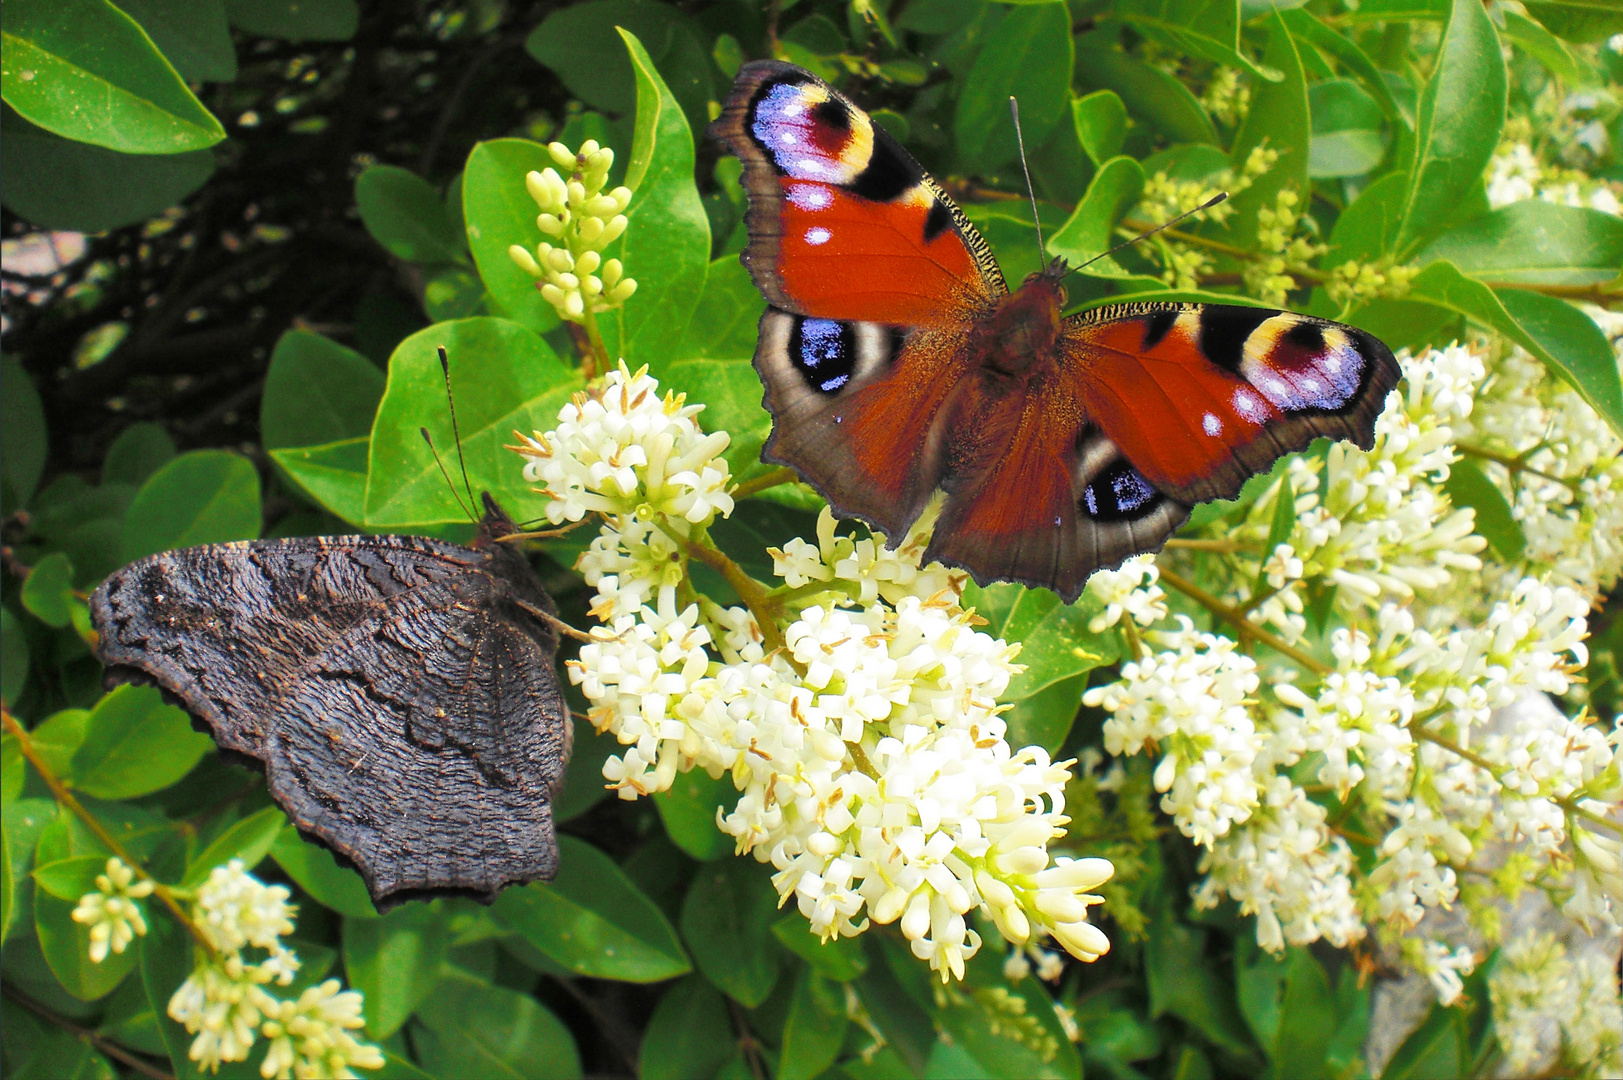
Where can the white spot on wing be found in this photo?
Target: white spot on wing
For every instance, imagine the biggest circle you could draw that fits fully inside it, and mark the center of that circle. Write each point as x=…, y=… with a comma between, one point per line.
x=817, y=235
x=1212, y=425
x=809, y=196
x=1246, y=404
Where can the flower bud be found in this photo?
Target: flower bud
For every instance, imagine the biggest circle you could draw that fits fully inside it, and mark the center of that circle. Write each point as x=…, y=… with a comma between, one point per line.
x=612, y=231
x=564, y=156
x=525, y=260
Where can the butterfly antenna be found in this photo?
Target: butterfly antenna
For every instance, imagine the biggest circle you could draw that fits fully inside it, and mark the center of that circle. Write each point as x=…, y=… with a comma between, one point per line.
x=427, y=438
x=450, y=399
x=1020, y=141
x=1207, y=205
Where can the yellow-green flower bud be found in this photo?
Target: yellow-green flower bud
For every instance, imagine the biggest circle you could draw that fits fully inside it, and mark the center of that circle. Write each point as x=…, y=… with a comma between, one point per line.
x=580, y=219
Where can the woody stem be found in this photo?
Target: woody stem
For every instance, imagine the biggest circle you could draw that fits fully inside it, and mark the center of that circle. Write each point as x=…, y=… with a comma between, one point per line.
x=1237, y=619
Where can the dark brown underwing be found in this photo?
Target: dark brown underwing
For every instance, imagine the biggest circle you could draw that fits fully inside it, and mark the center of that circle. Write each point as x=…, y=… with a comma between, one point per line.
x=399, y=691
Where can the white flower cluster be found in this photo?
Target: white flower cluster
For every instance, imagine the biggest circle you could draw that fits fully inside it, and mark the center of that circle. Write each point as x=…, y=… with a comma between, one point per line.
x=1391, y=746
x=225, y=1002
x=1129, y=590
x=866, y=741
x=584, y=219
x=1549, y=1010
x=1516, y=173
x=111, y=912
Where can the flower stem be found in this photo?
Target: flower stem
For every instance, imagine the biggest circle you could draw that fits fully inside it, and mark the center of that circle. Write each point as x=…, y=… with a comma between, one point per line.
x=65, y=798
x=770, y=479
x=1455, y=748
x=859, y=758
x=1572, y=807
x=1246, y=627
x=1514, y=464
x=755, y=595
x=597, y=356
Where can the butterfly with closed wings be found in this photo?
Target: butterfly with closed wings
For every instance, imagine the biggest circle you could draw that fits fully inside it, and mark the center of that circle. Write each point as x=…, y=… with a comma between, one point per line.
x=897, y=361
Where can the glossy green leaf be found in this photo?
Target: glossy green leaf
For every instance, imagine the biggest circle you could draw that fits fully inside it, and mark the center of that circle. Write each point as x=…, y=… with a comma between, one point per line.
x=139, y=451
x=1208, y=29
x=333, y=475
x=453, y=293
x=61, y=184
x=404, y=214
x=202, y=497
x=498, y=213
x=61, y=1054
x=723, y=326
x=134, y=745
x=47, y=591
x=1183, y=984
x=688, y=1035
x=688, y=810
x=313, y=867
x=1580, y=21
x=193, y=35
x=1088, y=232
x=1279, y=119
x=13, y=657
x=396, y=961
x=1536, y=243
x=583, y=779
x=1368, y=228
x=296, y=20
x=20, y=828
x=13, y=769
x=727, y=924
x=66, y=947
x=506, y=378
x=22, y=430
x=86, y=71
x=471, y=1028
x=1307, y=28
x=840, y=959
x=593, y=921
x=976, y=1026
x=1150, y=94
x=1101, y=124
x=815, y=1028
x=1306, y=1013
x=666, y=247
x=1560, y=335
x=1027, y=56
x=1435, y=1049
x=59, y=736
x=1461, y=111
x=1533, y=39
x=250, y=840
x=317, y=392
x=69, y=879
x=1467, y=485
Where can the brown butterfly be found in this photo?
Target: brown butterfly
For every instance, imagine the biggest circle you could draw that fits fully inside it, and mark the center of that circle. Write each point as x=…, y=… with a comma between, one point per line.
x=896, y=361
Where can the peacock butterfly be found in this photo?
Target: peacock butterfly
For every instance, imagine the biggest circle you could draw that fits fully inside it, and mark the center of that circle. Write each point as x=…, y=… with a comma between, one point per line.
x=897, y=361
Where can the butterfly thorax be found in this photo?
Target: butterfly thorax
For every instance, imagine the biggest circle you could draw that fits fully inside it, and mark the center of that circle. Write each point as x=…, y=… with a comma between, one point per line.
x=1024, y=330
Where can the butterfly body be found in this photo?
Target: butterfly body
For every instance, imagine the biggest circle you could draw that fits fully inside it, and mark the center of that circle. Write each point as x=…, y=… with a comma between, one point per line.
x=896, y=361
x=398, y=690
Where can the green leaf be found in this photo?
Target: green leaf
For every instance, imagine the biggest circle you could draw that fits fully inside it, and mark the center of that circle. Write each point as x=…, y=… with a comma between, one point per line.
x=688, y=810
x=978, y=1026
x=1208, y=29
x=1088, y=232
x=1433, y=1051
x=1306, y=27
x=1543, y=46
x=333, y=475
x=1468, y=485
x=57, y=183
x=22, y=425
x=66, y=945
x=47, y=591
x=88, y=72
x=726, y=922
x=134, y=745
x=1027, y=56
x=1461, y=111
x=453, y=293
x=69, y=879
x=841, y=959
x=1150, y=94
x=815, y=1029
x=688, y=1035
x=471, y=1028
x=249, y=840
x=20, y=828
x=317, y=392
x=724, y=324
x=395, y=960
x=60, y=1054
x=1101, y=124
x=13, y=657
x=583, y=778
x=13, y=769
x=1182, y=983
x=202, y=497
x=59, y=736
x=1279, y=119
x=506, y=378
x=404, y=214
x=1305, y=1016
x=1368, y=228
x=666, y=247
x=139, y=451
x=296, y=20
x=1536, y=243
x=313, y=867
x=1582, y=21
x=498, y=213
x=592, y=920
x=1564, y=338
x=166, y=958
x=193, y=35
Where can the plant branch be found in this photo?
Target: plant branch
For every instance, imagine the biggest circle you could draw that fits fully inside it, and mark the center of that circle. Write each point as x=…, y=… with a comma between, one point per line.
x=1514, y=464
x=66, y=798
x=1224, y=547
x=1455, y=748
x=770, y=479
x=1246, y=627
x=96, y=1042
x=755, y=595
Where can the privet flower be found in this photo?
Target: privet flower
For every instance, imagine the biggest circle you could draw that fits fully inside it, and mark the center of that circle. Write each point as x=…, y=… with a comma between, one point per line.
x=111, y=912
x=579, y=220
x=1554, y=1015
x=227, y=1003
x=868, y=748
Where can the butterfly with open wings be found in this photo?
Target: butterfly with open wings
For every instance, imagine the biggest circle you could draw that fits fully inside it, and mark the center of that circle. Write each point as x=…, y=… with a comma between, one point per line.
x=897, y=361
